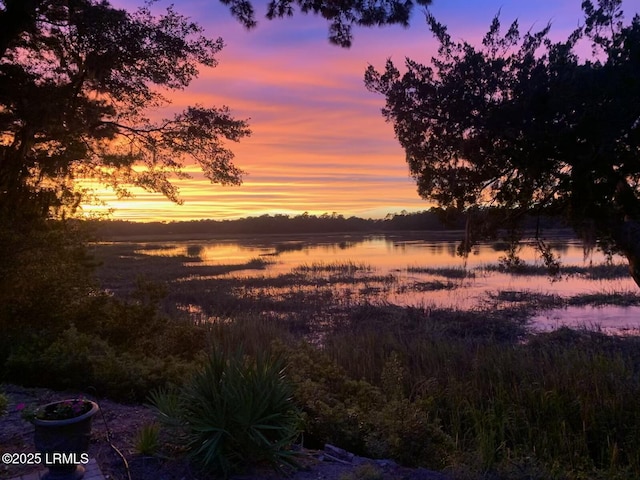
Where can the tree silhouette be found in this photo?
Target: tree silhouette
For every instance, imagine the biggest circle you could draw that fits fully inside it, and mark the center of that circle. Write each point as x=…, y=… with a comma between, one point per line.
x=341, y=15
x=77, y=79
x=22, y=16
x=523, y=124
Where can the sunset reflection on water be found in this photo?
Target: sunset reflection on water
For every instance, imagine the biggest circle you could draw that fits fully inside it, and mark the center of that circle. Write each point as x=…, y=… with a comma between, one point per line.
x=400, y=257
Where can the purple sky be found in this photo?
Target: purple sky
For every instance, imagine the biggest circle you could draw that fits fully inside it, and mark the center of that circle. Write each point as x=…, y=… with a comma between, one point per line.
x=319, y=142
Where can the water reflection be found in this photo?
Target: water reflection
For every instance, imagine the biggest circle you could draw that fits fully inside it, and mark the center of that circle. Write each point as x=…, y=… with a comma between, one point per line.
x=419, y=270
x=611, y=319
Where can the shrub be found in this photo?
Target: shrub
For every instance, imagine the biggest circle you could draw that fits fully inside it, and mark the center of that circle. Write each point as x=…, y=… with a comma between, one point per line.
x=45, y=276
x=362, y=418
x=332, y=402
x=131, y=376
x=76, y=360
x=234, y=412
x=61, y=362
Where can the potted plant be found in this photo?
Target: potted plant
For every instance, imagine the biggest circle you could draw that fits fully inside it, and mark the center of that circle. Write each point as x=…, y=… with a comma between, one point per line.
x=62, y=434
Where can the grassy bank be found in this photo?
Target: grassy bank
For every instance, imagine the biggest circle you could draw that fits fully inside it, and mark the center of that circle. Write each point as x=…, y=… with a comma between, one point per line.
x=471, y=392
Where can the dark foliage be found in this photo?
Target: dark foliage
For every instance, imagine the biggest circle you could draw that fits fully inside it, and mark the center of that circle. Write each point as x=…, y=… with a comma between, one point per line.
x=342, y=16
x=76, y=81
x=525, y=125
x=432, y=220
x=234, y=412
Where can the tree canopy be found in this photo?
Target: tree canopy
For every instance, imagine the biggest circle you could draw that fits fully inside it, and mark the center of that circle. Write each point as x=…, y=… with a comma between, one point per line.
x=77, y=80
x=342, y=15
x=523, y=124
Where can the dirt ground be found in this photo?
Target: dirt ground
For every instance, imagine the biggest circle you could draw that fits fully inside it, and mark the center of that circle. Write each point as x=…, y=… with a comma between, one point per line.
x=116, y=425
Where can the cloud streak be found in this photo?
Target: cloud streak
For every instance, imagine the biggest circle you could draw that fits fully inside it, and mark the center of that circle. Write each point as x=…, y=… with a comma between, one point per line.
x=319, y=142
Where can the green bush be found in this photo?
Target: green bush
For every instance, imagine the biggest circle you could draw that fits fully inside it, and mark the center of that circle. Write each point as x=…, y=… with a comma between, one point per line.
x=234, y=412
x=76, y=360
x=60, y=362
x=362, y=418
x=45, y=276
x=131, y=376
x=333, y=403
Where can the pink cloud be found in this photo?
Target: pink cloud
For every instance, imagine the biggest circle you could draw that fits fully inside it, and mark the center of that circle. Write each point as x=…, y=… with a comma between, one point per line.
x=319, y=142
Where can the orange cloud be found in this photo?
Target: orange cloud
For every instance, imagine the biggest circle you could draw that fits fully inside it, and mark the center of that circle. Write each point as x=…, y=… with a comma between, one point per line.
x=319, y=142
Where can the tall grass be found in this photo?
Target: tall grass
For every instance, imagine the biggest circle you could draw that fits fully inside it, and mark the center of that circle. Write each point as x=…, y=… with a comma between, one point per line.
x=568, y=399
x=349, y=268
x=447, y=272
x=593, y=272
x=472, y=390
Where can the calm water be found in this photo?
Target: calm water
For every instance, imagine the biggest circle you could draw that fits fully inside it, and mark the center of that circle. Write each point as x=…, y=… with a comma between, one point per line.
x=396, y=256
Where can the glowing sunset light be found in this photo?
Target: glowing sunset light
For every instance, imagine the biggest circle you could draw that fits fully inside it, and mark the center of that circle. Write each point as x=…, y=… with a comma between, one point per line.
x=319, y=143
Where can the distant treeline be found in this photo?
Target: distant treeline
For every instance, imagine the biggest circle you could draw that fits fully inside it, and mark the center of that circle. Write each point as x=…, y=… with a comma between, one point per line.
x=434, y=219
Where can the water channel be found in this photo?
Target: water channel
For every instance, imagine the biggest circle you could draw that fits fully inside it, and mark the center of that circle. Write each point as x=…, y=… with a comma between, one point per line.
x=412, y=261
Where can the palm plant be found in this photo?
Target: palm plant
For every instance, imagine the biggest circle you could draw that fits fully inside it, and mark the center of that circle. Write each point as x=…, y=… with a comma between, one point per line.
x=234, y=412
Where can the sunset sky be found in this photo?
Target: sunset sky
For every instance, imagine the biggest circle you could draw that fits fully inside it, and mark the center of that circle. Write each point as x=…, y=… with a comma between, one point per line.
x=319, y=142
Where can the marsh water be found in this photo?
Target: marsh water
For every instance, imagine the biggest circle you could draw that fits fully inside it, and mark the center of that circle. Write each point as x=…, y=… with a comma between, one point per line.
x=424, y=270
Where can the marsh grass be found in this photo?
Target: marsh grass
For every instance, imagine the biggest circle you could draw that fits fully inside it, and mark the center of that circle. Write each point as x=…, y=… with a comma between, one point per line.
x=624, y=299
x=603, y=271
x=446, y=272
x=289, y=247
x=568, y=397
x=475, y=389
x=433, y=285
x=533, y=301
x=348, y=268
x=527, y=299
x=122, y=264
x=155, y=247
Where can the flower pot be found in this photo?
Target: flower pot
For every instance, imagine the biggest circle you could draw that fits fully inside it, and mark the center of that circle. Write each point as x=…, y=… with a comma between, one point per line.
x=63, y=443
